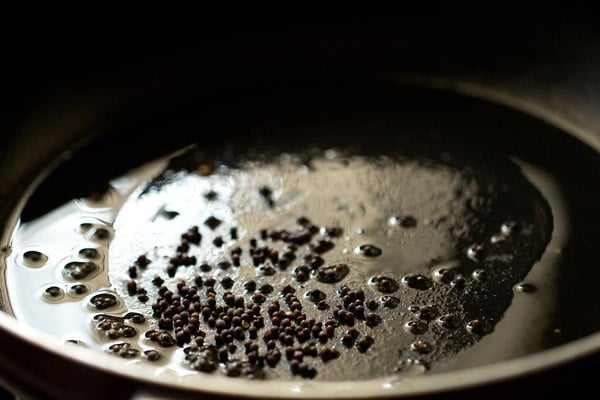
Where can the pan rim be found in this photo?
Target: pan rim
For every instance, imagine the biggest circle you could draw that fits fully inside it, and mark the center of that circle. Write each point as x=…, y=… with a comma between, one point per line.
x=372, y=388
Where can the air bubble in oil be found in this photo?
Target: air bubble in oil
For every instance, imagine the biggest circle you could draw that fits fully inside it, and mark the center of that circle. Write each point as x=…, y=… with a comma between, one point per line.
x=34, y=259
x=332, y=274
x=53, y=293
x=368, y=250
x=123, y=350
x=89, y=252
x=449, y=321
x=416, y=281
x=421, y=347
x=510, y=228
x=77, y=270
x=101, y=234
x=390, y=301
x=405, y=221
x=477, y=327
x=475, y=252
x=415, y=327
x=96, y=201
x=384, y=284
x=525, y=288
x=443, y=275
x=103, y=301
x=315, y=295
x=411, y=366
x=497, y=238
x=78, y=290
x=480, y=275
x=85, y=227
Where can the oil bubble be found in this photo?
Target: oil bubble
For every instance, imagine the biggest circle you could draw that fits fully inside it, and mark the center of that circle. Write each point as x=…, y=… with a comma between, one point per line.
x=442, y=275
x=302, y=273
x=525, y=288
x=497, y=238
x=34, y=259
x=426, y=313
x=76, y=342
x=368, y=250
x=416, y=281
x=135, y=317
x=390, y=301
x=421, y=347
x=315, y=295
x=333, y=273
x=124, y=350
x=78, y=289
x=415, y=327
x=412, y=366
x=152, y=355
x=405, y=221
x=459, y=282
x=443, y=272
x=475, y=252
x=510, y=228
x=103, y=301
x=53, y=293
x=481, y=275
x=448, y=321
x=77, y=270
x=384, y=284
x=477, y=327
x=85, y=227
x=112, y=327
x=89, y=252
x=101, y=234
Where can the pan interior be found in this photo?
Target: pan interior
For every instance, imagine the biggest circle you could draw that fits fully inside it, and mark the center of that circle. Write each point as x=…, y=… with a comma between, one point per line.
x=483, y=231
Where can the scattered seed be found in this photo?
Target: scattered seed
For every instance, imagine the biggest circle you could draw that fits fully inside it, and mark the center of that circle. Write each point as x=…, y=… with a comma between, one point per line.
x=332, y=274
x=365, y=343
x=211, y=195
x=212, y=222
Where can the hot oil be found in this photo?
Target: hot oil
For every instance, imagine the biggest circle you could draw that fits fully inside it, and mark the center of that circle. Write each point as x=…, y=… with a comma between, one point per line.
x=410, y=253
x=397, y=219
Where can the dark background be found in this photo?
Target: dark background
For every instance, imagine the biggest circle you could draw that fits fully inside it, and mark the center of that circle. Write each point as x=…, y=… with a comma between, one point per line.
x=47, y=47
